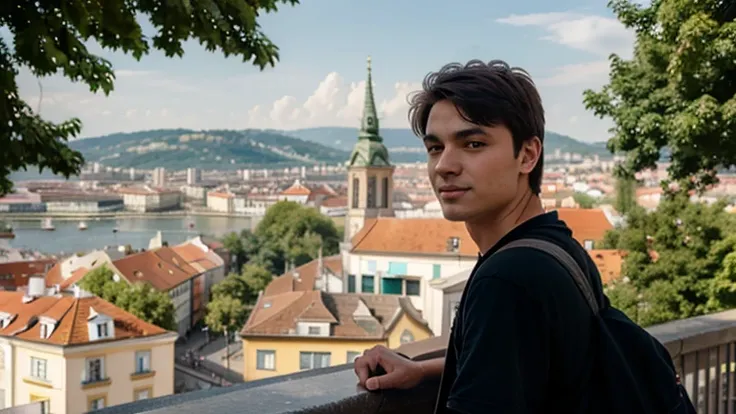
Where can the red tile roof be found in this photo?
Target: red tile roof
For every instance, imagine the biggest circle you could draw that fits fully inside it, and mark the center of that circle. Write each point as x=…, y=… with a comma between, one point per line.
x=14, y=275
x=70, y=315
x=162, y=268
x=278, y=315
x=307, y=275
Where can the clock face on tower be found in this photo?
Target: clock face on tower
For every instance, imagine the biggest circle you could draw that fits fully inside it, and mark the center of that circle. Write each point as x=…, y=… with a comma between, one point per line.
x=370, y=121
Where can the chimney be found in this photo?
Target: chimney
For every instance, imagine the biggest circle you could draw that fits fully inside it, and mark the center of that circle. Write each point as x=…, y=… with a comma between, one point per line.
x=321, y=270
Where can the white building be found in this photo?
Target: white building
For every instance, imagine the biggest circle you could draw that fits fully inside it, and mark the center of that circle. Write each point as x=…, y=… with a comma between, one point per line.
x=194, y=176
x=145, y=199
x=159, y=177
x=393, y=256
x=220, y=201
x=297, y=193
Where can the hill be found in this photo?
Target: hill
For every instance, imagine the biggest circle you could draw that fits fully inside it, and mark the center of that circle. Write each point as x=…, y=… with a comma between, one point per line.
x=178, y=149
x=402, y=142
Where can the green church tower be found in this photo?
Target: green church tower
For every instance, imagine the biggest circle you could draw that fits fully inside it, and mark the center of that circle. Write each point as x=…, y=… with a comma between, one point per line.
x=370, y=174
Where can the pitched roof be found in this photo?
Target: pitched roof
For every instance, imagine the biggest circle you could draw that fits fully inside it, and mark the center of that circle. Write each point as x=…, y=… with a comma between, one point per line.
x=162, y=268
x=586, y=224
x=413, y=236
x=609, y=263
x=15, y=274
x=297, y=189
x=201, y=260
x=70, y=315
x=303, y=277
x=351, y=315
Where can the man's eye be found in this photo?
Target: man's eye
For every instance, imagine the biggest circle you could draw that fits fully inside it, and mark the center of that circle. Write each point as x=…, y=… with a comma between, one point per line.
x=475, y=144
x=433, y=148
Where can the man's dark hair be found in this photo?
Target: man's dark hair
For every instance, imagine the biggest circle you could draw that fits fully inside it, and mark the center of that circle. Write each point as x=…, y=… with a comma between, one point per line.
x=486, y=94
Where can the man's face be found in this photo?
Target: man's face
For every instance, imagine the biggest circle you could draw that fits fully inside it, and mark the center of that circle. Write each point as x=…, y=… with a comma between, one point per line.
x=472, y=168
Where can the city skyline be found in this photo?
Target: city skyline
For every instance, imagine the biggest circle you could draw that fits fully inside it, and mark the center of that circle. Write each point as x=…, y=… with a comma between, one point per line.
x=320, y=79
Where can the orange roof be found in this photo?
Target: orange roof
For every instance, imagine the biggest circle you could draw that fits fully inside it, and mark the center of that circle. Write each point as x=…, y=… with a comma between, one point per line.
x=19, y=272
x=162, y=268
x=219, y=194
x=609, y=263
x=70, y=315
x=586, y=224
x=307, y=275
x=297, y=189
x=76, y=276
x=338, y=201
x=278, y=315
x=195, y=256
x=413, y=236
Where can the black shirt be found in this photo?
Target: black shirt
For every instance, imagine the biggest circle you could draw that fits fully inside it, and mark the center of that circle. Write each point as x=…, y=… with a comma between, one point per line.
x=521, y=339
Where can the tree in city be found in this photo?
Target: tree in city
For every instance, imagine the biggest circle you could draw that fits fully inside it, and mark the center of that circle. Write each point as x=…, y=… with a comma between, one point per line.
x=256, y=279
x=291, y=233
x=241, y=246
x=625, y=189
x=149, y=304
x=51, y=37
x=226, y=315
x=140, y=299
x=676, y=95
x=678, y=263
x=584, y=200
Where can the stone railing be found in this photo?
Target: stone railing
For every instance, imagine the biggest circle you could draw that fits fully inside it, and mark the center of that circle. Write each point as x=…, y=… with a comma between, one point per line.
x=702, y=349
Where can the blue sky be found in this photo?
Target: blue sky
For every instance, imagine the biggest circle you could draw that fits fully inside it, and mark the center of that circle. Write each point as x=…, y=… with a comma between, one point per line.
x=320, y=79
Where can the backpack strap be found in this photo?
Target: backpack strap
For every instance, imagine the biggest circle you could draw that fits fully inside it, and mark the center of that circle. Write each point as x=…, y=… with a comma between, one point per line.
x=564, y=258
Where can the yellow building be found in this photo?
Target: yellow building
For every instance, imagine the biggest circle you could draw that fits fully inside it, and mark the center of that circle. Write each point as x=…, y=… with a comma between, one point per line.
x=76, y=354
x=298, y=330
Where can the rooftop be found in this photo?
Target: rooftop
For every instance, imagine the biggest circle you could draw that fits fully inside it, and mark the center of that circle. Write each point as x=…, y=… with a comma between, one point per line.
x=69, y=316
x=334, y=390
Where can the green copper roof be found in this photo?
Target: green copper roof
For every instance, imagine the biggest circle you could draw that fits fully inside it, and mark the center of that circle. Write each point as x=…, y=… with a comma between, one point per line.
x=369, y=150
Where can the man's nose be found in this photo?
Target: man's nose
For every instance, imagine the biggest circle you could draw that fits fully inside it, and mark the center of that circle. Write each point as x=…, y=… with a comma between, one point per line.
x=448, y=163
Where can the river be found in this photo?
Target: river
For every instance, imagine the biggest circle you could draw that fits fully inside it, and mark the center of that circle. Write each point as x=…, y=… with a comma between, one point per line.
x=137, y=232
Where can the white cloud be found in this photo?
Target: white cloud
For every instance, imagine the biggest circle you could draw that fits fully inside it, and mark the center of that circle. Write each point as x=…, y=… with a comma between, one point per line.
x=334, y=102
x=595, y=34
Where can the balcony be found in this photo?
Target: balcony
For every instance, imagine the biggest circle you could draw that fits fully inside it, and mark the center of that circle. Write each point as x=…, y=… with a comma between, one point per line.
x=703, y=350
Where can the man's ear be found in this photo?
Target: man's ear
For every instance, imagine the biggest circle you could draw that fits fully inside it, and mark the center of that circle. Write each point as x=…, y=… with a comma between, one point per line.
x=529, y=154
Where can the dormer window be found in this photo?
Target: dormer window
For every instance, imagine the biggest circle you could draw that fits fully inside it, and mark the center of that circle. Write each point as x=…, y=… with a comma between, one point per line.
x=47, y=326
x=6, y=319
x=100, y=326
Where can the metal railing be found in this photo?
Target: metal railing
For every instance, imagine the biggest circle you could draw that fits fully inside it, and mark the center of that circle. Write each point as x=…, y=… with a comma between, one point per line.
x=703, y=350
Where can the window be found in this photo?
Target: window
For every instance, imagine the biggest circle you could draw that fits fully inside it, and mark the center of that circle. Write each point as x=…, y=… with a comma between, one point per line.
x=266, y=360
x=406, y=337
x=436, y=271
x=351, y=356
x=371, y=192
x=589, y=245
x=102, y=330
x=412, y=288
x=397, y=268
x=45, y=403
x=97, y=403
x=143, y=394
x=356, y=192
x=367, y=284
x=95, y=369
x=311, y=360
x=391, y=286
x=351, y=283
x=314, y=330
x=142, y=361
x=384, y=190
x=38, y=368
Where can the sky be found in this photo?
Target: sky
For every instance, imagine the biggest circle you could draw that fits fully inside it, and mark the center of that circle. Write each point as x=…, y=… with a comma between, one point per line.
x=320, y=78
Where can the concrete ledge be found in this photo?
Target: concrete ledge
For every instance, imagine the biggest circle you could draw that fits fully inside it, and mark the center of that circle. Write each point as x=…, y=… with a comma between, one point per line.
x=334, y=390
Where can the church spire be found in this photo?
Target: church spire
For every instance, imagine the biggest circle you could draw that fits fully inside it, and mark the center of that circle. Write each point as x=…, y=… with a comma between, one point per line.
x=369, y=125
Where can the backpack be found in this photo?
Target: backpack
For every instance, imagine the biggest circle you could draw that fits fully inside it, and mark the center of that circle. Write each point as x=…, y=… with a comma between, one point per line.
x=634, y=372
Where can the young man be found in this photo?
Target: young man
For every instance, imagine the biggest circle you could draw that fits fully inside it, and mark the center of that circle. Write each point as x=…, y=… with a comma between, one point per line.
x=521, y=340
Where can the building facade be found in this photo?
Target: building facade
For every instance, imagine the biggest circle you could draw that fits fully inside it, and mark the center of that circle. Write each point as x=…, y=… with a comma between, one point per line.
x=78, y=354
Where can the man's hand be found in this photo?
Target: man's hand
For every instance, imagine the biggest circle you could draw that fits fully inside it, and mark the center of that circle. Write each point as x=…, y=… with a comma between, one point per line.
x=400, y=373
